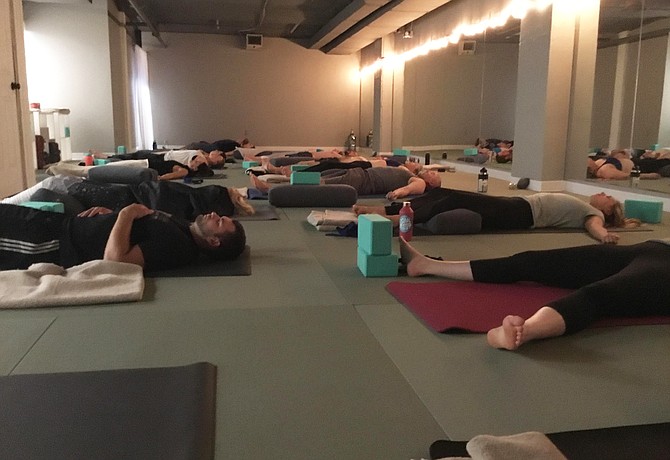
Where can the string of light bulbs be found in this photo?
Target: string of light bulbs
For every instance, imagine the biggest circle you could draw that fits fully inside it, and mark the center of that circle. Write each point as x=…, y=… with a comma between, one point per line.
x=517, y=9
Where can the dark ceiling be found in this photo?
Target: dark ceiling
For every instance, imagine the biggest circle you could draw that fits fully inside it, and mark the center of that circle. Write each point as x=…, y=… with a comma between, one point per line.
x=346, y=26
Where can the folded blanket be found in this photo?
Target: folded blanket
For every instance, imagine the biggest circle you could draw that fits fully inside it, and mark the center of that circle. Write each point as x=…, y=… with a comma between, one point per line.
x=329, y=220
x=49, y=285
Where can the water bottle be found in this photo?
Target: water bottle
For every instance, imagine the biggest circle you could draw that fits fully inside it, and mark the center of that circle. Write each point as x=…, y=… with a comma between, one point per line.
x=635, y=177
x=406, y=221
x=154, y=146
x=426, y=159
x=483, y=181
x=351, y=141
x=368, y=139
x=88, y=159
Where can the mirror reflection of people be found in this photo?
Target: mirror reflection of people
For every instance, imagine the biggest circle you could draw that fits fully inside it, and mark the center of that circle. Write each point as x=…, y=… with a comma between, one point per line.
x=608, y=281
x=615, y=166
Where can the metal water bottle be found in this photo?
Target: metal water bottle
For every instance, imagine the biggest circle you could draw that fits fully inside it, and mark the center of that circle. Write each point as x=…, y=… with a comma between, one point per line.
x=368, y=139
x=483, y=181
x=426, y=159
x=635, y=177
x=351, y=141
x=406, y=229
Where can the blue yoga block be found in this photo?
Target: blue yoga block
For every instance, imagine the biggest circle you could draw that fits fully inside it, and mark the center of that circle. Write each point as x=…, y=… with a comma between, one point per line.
x=371, y=266
x=53, y=206
x=250, y=164
x=298, y=167
x=470, y=152
x=309, y=178
x=375, y=234
x=646, y=211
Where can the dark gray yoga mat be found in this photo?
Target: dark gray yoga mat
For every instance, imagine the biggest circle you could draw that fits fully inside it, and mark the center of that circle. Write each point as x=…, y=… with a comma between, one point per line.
x=157, y=413
x=263, y=212
x=205, y=267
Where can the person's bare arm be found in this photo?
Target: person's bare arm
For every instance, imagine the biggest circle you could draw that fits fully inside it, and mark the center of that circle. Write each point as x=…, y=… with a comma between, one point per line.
x=119, y=247
x=178, y=172
x=596, y=228
x=415, y=186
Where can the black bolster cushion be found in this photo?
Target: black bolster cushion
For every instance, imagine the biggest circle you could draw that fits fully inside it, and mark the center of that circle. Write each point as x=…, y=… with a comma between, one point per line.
x=455, y=222
x=111, y=174
x=302, y=195
x=286, y=161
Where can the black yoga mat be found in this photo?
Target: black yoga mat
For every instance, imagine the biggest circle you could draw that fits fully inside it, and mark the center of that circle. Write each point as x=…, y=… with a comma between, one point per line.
x=263, y=212
x=157, y=413
x=206, y=267
x=615, y=443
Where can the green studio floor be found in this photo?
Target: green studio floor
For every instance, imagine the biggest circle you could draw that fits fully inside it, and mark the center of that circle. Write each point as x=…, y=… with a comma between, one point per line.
x=316, y=361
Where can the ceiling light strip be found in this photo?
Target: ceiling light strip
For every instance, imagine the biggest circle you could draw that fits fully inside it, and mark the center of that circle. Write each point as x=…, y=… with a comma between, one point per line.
x=517, y=9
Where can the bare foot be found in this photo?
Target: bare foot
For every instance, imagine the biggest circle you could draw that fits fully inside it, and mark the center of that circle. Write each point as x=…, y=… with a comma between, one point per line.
x=359, y=209
x=97, y=154
x=508, y=336
x=415, y=261
x=259, y=184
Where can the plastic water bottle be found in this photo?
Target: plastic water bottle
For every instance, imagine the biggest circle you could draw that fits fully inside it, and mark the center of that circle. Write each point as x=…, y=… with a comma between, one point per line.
x=483, y=181
x=368, y=139
x=426, y=159
x=351, y=141
x=406, y=221
x=635, y=177
x=154, y=146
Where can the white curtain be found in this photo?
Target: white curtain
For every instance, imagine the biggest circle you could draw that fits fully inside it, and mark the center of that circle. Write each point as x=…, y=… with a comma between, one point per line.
x=144, y=129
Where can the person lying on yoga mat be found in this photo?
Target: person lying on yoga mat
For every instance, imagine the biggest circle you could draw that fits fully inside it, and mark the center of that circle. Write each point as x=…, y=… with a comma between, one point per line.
x=188, y=158
x=166, y=169
x=343, y=162
x=609, y=281
x=225, y=146
x=616, y=166
x=175, y=198
x=136, y=234
x=394, y=182
x=539, y=210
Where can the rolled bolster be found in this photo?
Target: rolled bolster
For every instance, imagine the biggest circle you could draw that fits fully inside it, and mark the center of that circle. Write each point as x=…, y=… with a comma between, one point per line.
x=455, y=222
x=111, y=174
x=299, y=195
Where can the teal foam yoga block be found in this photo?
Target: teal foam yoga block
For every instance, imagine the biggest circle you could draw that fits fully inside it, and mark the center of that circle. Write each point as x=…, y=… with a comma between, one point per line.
x=53, y=206
x=402, y=152
x=250, y=164
x=375, y=234
x=370, y=266
x=470, y=152
x=309, y=178
x=100, y=161
x=298, y=167
x=646, y=211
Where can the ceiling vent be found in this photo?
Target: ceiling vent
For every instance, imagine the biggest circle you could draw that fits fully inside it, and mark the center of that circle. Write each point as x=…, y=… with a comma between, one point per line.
x=254, y=41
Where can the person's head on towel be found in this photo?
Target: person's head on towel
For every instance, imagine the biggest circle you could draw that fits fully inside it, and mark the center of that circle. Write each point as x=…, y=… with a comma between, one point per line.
x=431, y=178
x=219, y=237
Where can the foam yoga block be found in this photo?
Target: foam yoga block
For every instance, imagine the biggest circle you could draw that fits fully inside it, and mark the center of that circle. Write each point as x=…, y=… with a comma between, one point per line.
x=301, y=195
x=383, y=265
x=646, y=211
x=250, y=164
x=298, y=167
x=45, y=206
x=375, y=234
x=470, y=152
x=310, y=178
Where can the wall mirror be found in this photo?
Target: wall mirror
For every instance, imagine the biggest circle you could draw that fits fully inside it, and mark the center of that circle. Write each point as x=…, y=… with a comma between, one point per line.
x=631, y=104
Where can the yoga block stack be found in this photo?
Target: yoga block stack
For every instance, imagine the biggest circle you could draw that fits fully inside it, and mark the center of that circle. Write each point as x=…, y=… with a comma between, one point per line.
x=309, y=178
x=375, y=237
x=647, y=211
x=249, y=164
x=53, y=206
x=470, y=152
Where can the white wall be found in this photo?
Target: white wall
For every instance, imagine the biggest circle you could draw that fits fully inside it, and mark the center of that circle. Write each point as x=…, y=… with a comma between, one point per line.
x=68, y=65
x=207, y=87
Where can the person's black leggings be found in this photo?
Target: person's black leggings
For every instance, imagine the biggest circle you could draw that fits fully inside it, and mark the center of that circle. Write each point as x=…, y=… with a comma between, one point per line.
x=325, y=165
x=610, y=281
x=498, y=212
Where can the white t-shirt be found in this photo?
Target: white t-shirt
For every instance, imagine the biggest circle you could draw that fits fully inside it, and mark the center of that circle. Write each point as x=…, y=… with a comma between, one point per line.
x=560, y=210
x=180, y=156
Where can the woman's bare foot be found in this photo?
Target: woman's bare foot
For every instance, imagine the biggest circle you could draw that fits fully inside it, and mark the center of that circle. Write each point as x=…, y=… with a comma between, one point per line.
x=415, y=261
x=510, y=335
x=98, y=154
x=359, y=209
x=259, y=184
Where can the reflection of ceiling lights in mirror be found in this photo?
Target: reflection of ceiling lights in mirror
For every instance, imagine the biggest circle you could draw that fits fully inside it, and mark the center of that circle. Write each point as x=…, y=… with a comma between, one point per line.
x=517, y=9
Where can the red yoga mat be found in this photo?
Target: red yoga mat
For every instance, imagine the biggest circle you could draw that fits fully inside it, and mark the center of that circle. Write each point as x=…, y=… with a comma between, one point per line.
x=478, y=307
